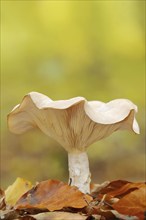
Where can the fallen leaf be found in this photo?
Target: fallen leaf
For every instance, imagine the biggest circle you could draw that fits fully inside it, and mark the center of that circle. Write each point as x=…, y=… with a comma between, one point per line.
x=2, y=193
x=53, y=195
x=123, y=217
x=133, y=203
x=96, y=188
x=16, y=190
x=59, y=216
x=118, y=189
x=2, y=200
x=24, y=218
x=126, y=189
x=113, y=186
x=119, y=199
x=8, y=214
x=113, y=194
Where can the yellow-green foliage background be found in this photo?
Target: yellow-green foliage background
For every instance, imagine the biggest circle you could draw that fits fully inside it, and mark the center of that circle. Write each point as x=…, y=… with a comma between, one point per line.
x=65, y=49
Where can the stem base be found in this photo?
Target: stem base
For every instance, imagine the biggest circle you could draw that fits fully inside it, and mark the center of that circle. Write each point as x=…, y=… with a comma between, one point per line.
x=79, y=173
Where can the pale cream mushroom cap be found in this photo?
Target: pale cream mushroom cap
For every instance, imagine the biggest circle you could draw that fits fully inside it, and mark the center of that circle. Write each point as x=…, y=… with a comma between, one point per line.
x=75, y=123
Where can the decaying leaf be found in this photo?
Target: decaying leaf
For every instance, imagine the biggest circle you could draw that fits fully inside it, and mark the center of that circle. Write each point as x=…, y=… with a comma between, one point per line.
x=16, y=190
x=53, y=195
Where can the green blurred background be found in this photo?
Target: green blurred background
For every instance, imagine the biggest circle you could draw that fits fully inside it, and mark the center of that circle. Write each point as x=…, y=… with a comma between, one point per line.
x=65, y=49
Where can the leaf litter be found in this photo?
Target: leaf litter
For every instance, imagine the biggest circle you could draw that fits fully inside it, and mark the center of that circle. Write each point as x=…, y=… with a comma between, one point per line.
x=55, y=200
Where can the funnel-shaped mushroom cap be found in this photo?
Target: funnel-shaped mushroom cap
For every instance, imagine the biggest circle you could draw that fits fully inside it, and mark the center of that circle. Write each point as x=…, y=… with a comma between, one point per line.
x=75, y=123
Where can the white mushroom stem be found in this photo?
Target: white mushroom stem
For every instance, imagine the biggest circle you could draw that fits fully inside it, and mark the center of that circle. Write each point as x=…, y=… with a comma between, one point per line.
x=79, y=173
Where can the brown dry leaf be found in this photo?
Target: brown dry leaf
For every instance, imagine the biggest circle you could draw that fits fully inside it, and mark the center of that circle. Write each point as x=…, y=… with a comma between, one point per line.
x=16, y=190
x=113, y=186
x=2, y=193
x=133, y=203
x=117, y=189
x=96, y=188
x=123, y=217
x=115, y=192
x=53, y=195
x=59, y=216
x=8, y=214
x=2, y=200
x=127, y=188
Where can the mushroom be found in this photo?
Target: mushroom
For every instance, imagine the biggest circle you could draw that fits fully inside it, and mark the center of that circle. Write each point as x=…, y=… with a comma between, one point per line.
x=75, y=123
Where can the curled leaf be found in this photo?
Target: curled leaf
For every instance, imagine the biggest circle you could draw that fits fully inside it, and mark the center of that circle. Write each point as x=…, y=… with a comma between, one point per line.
x=125, y=189
x=113, y=186
x=53, y=195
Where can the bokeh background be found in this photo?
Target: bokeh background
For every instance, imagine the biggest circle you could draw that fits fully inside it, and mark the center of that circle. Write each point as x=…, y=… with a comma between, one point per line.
x=65, y=49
